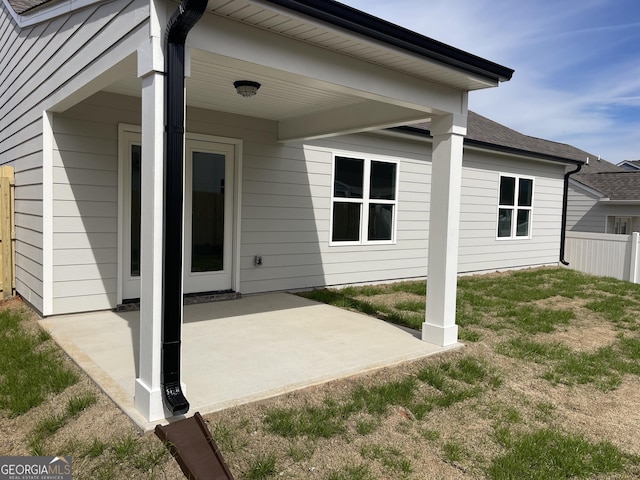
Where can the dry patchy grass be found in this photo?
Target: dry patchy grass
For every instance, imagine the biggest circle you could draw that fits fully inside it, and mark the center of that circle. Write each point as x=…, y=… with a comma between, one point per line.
x=461, y=415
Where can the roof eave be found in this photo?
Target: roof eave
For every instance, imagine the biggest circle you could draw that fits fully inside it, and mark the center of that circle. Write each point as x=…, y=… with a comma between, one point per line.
x=362, y=23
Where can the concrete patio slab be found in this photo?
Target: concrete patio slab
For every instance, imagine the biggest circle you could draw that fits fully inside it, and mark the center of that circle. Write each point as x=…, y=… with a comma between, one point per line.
x=240, y=351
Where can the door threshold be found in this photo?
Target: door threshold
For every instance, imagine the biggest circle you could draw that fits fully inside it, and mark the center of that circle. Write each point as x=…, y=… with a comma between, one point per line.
x=133, y=304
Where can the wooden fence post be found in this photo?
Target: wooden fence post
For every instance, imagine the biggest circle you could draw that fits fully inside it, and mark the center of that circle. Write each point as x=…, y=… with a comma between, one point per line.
x=6, y=230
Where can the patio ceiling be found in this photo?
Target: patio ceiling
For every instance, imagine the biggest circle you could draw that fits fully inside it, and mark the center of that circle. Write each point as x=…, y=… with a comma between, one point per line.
x=210, y=86
x=305, y=105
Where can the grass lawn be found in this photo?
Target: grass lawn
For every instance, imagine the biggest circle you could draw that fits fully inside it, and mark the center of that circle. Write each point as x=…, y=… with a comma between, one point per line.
x=547, y=387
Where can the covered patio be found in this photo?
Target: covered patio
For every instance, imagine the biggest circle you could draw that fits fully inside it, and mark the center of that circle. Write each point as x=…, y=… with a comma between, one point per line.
x=238, y=351
x=120, y=144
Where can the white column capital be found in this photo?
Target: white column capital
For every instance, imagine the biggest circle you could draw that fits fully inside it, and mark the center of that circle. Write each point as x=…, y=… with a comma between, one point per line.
x=449, y=124
x=150, y=57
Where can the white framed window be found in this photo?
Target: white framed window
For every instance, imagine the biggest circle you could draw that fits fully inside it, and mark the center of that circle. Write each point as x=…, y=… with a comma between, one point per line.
x=364, y=200
x=515, y=205
x=621, y=225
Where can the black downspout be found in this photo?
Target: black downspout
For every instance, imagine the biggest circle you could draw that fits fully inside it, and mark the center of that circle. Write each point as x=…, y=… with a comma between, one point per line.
x=187, y=15
x=565, y=200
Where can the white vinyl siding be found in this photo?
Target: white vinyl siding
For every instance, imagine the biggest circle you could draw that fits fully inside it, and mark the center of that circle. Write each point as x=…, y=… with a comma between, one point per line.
x=584, y=214
x=46, y=63
x=85, y=202
x=286, y=193
x=480, y=249
x=286, y=216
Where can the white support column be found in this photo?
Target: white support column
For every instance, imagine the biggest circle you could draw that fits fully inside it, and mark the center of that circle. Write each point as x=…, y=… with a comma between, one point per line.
x=446, y=178
x=148, y=394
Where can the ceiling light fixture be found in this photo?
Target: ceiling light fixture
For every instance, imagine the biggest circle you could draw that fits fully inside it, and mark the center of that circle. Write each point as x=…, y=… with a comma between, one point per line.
x=246, y=88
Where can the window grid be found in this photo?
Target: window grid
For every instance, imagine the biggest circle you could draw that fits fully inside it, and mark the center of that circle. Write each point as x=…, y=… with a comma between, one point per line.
x=365, y=202
x=512, y=211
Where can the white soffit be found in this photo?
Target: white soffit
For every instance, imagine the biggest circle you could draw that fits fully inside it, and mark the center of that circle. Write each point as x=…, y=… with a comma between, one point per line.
x=211, y=86
x=281, y=21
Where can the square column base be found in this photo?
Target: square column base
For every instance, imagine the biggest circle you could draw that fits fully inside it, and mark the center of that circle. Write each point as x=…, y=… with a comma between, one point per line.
x=439, y=335
x=149, y=402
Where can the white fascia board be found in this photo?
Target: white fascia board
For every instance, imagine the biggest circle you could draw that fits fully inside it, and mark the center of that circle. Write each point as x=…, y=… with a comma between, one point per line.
x=480, y=82
x=45, y=12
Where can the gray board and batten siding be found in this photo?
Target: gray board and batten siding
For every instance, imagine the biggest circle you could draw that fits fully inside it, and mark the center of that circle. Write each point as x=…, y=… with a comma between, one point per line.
x=45, y=64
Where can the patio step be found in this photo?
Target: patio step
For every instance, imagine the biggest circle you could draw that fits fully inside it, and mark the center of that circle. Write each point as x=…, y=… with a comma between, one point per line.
x=191, y=444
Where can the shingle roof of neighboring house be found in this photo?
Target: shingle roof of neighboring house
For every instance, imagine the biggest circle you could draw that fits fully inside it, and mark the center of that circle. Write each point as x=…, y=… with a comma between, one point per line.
x=624, y=185
x=612, y=181
x=630, y=164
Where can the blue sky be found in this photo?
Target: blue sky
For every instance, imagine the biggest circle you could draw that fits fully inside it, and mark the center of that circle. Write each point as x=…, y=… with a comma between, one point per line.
x=576, y=62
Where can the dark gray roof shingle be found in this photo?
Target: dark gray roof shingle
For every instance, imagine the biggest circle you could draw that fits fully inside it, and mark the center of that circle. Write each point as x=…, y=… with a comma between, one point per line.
x=482, y=129
x=611, y=180
x=485, y=132
x=622, y=185
x=630, y=164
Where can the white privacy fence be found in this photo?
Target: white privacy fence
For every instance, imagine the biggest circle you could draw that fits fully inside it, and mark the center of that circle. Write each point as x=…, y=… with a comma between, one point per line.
x=605, y=254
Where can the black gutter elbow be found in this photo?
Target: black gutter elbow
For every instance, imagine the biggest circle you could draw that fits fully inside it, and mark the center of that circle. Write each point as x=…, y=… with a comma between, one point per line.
x=187, y=15
x=565, y=201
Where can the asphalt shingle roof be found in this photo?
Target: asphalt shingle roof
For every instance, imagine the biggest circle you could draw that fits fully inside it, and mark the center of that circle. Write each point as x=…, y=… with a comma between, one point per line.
x=630, y=164
x=624, y=185
x=611, y=180
x=482, y=131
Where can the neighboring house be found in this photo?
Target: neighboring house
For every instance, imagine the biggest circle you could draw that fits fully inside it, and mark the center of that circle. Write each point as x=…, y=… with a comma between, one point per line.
x=632, y=165
x=604, y=198
x=345, y=167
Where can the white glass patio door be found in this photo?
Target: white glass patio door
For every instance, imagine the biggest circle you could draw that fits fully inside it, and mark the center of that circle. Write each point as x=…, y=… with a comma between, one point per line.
x=208, y=220
x=208, y=216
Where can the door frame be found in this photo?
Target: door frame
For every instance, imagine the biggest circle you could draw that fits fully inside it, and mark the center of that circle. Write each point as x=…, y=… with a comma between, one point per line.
x=128, y=134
